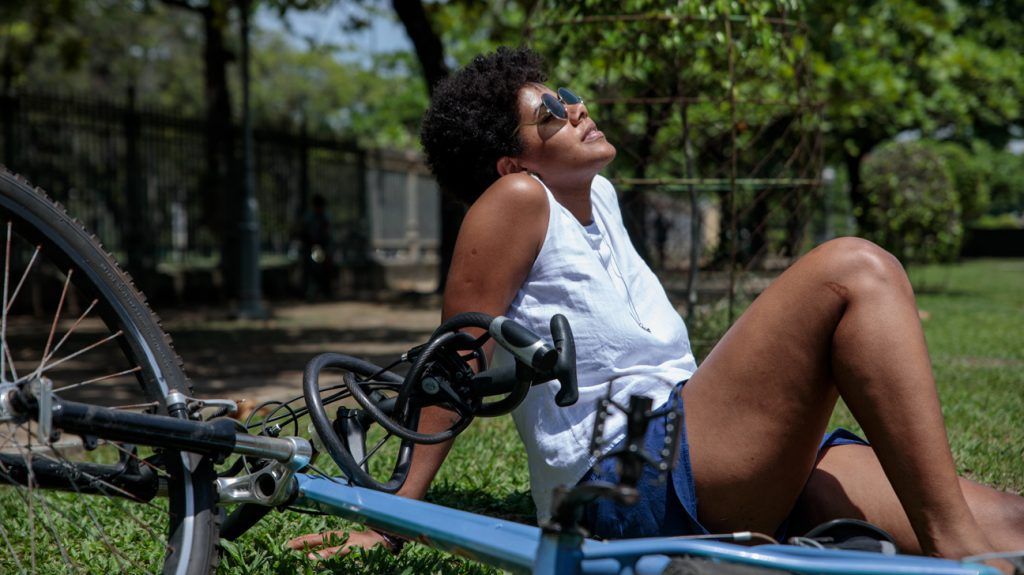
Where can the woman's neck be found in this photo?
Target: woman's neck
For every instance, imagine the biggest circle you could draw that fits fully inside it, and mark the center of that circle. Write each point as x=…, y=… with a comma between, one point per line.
x=575, y=196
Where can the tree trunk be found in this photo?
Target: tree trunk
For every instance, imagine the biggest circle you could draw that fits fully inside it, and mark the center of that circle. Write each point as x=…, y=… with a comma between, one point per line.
x=858, y=200
x=430, y=53
x=222, y=193
x=220, y=190
x=429, y=50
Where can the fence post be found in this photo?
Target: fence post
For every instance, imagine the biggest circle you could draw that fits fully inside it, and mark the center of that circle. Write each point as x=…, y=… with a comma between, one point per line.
x=11, y=105
x=137, y=242
x=303, y=170
x=250, y=292
x=412, y=217
x=696, y=236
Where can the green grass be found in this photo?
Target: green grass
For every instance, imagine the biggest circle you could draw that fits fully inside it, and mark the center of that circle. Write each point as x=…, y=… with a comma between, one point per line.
x=485, y=473
x=974, y=312
x=973, y=316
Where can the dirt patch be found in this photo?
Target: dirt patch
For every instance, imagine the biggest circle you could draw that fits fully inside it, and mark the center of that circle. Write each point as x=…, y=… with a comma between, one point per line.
x=263, y=359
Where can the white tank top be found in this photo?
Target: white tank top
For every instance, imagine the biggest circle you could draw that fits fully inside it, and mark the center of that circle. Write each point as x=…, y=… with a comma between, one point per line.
x=627, y=336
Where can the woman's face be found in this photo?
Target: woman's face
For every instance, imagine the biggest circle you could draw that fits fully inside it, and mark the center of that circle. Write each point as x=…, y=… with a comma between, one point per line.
x=554, y=148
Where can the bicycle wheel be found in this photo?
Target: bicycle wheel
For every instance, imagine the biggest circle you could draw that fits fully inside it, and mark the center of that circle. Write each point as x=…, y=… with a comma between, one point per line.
x=70, y=315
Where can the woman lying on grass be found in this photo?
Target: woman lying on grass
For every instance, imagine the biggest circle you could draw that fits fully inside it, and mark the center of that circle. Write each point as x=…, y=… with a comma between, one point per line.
x=544, y=235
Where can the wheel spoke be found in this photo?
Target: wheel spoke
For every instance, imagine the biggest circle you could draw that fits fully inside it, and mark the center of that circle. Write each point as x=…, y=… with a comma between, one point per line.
x=3, y=316
x=137, y=406
x=375, y=448
x=105, y=490
x=98, y=483
x=100, y=378
x=34, y=495
x=56, y=316
x=21, y=281
x=56, y=348
x=94, y=345
x=127, y=452
x=7, y=352
x=10, y=548
x=48, y=280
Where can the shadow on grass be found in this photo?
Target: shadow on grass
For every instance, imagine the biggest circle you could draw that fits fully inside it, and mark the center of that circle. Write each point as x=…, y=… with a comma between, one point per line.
x=517, y=506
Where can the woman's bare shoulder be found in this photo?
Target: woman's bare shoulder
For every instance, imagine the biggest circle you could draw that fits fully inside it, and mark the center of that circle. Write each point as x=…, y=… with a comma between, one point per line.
x=519, y=190
x=515, y=203
x=498, y=243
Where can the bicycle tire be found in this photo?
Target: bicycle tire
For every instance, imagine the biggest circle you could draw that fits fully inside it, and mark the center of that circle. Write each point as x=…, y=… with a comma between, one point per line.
x=189, y=545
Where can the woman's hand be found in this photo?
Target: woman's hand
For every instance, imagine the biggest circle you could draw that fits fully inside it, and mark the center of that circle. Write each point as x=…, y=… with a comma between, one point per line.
x=336, y=543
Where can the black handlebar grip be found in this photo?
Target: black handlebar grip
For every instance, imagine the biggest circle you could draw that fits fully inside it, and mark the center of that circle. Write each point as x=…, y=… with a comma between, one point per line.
x=527, y=346
x=565, y=368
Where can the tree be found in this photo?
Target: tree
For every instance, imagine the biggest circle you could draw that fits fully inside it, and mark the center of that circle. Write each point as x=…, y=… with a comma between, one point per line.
x=891, y=66
x=689, y=90
x=30, y=25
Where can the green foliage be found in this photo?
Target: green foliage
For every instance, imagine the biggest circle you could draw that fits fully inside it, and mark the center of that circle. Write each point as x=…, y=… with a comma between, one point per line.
x=110, y=46
x=886, y=67
x=1007, y=186
x=972, y=176
x=913, y=209
x=637, y=59
x=1004, y=220
x=378, y=107
x=30, y=25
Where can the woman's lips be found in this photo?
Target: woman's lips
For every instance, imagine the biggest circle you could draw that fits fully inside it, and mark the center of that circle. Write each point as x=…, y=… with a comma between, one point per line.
x=592, y=134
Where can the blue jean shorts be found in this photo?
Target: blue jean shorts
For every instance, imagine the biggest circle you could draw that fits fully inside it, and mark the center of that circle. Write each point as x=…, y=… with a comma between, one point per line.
x=667, y=508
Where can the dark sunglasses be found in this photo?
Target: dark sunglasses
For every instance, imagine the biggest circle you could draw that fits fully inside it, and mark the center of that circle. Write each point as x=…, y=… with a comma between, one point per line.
x=554, y=106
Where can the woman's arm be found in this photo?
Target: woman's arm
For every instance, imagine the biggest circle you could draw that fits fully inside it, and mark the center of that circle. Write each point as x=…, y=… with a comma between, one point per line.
x=497, y=246
x=498, y=242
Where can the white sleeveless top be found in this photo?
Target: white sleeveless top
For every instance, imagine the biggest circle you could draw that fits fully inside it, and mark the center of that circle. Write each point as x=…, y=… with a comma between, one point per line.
x=627, y=336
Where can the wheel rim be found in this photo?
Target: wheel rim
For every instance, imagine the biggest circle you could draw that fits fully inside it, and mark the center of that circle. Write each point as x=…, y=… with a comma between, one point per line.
x=54, y=324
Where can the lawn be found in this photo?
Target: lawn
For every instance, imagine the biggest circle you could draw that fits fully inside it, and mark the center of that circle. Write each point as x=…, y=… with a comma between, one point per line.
x=972, y=314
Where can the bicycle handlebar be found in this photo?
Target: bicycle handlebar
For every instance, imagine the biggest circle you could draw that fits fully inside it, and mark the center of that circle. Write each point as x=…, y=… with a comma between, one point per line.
x=542, y=361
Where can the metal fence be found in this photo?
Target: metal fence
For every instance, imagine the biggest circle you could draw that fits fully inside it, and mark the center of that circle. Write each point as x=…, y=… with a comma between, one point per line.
x=110, y=161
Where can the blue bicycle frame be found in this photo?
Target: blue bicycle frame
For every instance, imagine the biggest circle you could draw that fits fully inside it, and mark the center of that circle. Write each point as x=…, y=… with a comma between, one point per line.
x=523, y=548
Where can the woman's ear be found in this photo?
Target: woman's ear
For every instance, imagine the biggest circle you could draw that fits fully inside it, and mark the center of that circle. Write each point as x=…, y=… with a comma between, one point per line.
x=507, y=165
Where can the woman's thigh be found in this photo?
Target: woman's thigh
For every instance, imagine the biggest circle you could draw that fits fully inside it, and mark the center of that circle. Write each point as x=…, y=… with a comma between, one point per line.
x=758, y=406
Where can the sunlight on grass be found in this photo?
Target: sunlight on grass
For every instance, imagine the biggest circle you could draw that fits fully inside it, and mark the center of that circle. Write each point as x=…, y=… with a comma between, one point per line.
x=974, y=313
x=972, y=316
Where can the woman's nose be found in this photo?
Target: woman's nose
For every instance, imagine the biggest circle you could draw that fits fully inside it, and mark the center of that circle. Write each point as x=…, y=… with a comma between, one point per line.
x=577, y=112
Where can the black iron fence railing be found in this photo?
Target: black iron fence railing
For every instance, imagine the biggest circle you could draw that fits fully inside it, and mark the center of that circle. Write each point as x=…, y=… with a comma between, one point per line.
x=139, y=179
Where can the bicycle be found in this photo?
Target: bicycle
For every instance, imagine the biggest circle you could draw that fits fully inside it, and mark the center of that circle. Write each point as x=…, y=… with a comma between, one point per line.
x=110, y=462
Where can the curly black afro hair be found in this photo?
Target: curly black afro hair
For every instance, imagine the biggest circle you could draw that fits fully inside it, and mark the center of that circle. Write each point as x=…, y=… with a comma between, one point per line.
x=471, y=119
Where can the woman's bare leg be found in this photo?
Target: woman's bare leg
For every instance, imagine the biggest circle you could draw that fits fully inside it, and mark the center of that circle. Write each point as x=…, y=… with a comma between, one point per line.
x=848, y=481
x=841, y=321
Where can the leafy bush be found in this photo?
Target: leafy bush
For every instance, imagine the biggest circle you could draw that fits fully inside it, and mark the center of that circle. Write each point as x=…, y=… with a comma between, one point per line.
x=1000, y=221
x=913, y=208
x=1007, y=186
x=972, y=176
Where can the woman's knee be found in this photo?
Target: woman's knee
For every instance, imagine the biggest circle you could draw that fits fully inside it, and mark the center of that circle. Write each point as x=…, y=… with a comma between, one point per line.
x=856, y=263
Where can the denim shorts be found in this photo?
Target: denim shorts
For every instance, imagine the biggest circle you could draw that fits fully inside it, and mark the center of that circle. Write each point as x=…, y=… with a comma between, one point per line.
x=669, y=508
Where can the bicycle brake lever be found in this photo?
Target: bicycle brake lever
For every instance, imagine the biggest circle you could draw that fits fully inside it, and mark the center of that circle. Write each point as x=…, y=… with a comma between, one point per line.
x=565, y=367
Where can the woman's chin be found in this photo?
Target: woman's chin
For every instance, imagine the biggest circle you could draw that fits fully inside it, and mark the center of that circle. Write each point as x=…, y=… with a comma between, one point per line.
x=608, y=154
